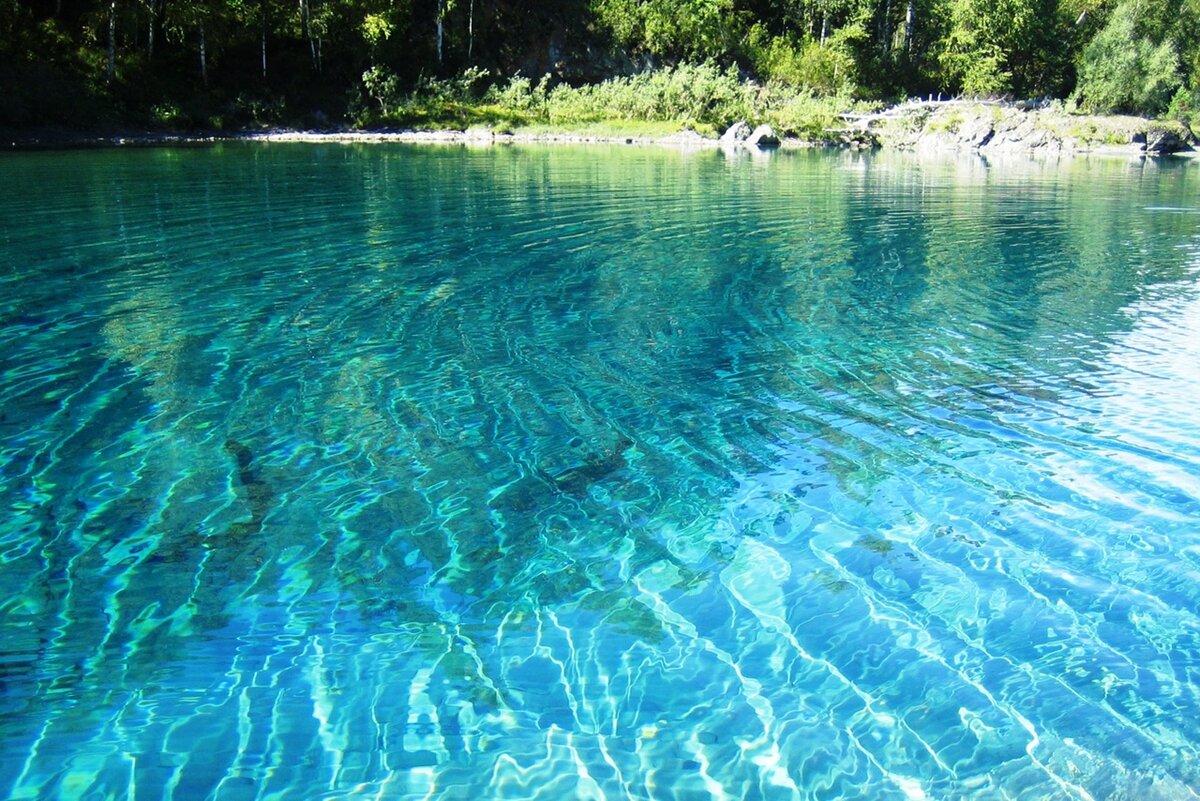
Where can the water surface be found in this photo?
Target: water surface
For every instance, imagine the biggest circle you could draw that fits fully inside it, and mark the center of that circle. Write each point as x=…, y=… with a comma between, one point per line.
x=543, y=473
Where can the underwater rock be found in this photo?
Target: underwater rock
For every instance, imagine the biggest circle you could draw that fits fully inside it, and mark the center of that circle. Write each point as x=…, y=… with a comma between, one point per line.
x=599, y=466
x=257, y=494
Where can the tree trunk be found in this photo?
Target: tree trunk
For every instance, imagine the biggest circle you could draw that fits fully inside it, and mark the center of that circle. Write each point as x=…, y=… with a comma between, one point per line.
x=150, y=30
x=112, y=40
x=909, y=16
x=203, y=56
x=263, y=10
x=471, y=30
x=441, y=10
x=824, y=25
x=886, y=32
x=306, y=18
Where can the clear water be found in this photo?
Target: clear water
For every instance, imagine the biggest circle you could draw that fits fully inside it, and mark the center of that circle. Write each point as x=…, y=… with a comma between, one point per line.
x=518, y=473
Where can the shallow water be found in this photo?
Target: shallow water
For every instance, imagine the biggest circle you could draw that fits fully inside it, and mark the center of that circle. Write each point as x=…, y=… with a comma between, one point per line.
x=545, y=473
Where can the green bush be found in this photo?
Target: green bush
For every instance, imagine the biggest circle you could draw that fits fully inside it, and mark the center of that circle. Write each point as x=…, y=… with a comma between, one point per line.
x=698, y=96
x=690, y=93
x=803, y=113
x=521, y=95
x=827, y=69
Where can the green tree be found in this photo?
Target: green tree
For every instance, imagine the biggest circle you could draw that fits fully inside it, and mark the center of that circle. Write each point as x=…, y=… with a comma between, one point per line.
x=997, y=47
x=687, y=29
x=1124, y=69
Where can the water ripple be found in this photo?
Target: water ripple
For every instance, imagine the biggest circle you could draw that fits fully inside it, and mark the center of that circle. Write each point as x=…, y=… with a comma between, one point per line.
x=538, y=473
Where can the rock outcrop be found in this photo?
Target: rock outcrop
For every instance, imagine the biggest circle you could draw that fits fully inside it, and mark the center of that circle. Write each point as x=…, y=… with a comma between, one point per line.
x=740, y=135
x=735, y=134
x=1165, y=138
x=994, y=127
x=762, y=136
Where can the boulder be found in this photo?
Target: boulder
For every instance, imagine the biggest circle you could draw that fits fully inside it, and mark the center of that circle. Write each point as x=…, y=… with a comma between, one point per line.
x=1165, y=138
x=762, y=136
x=857, y=138
x=736, y=134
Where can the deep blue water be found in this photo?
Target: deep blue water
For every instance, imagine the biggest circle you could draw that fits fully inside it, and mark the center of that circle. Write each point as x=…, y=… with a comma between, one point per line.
x=545, y=473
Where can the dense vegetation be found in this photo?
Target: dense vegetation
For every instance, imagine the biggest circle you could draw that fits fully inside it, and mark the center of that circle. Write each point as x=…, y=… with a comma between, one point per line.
x=226, y=63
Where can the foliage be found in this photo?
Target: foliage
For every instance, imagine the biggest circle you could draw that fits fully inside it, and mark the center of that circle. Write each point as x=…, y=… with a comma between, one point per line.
x=692, y=94
x=825, y=68
x=458, y=100
x=690, y=29
x=803, y=114
x=702, y=97
x=377, y=28
x=187, y=63
x=998, y=47
x=1123, y=70
x=1185, y=108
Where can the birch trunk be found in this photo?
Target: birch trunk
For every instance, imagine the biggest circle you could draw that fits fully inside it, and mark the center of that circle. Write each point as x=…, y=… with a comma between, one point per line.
x=441, y=10
x=112, y=40
x=203, y=56
x=306, y=18
x=909, y=16
x=886, y=37
x=263, y=40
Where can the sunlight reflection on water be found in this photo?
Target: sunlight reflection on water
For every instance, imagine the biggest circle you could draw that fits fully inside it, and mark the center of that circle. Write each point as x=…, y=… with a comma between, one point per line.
x=598, y=473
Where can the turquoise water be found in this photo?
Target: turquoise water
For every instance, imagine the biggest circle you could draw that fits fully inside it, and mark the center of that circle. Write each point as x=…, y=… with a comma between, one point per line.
x=389, y=472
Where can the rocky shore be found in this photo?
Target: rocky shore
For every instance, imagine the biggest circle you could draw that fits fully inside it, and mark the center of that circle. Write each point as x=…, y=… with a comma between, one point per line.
x=985, y=127
x=995, y=127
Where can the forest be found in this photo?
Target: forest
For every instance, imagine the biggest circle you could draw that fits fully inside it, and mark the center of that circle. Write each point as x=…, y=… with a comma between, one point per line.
x=226, y=64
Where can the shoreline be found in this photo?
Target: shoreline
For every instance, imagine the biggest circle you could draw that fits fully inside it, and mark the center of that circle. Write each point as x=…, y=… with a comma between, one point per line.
x=980, y=127
x=56, y=140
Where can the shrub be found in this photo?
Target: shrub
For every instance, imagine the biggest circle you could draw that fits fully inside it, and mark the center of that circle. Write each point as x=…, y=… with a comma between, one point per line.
x=825, y=68
x=699, y=96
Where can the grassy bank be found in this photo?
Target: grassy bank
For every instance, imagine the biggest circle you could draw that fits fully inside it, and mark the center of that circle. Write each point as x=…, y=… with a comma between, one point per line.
x=707, y=99
x=703, y=98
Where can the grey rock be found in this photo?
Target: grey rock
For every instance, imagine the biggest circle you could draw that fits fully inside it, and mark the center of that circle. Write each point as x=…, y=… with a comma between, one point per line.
x=1165, y=139
x=858, y=139
x=688, y=137
x=480, y=135
x=976, y=132
x=762, y=136
x=736, y=133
